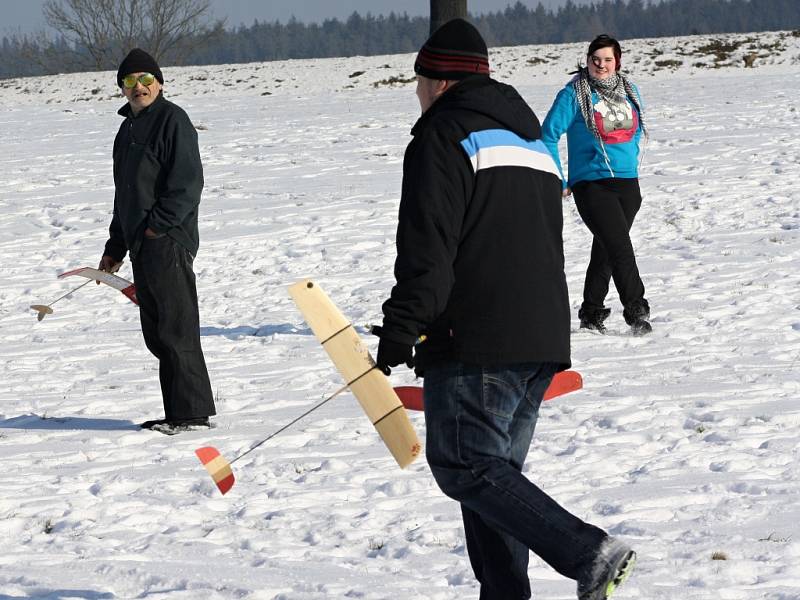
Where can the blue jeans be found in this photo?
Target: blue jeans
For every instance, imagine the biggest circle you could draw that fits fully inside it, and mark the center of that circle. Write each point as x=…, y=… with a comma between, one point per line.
x=480, y=422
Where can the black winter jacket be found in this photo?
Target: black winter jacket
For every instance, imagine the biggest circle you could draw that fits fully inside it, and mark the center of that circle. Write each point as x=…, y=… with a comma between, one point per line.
x=158, y=178
x=480, y=262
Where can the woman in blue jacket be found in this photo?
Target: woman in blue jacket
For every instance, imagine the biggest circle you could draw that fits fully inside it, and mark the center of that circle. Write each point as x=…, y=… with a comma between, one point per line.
x=600, y=110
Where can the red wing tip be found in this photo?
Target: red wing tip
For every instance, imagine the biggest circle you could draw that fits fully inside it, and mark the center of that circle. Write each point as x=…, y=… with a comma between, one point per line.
x=576, y=377
x=73, y=272
x=206, y=453
x=410, y=396
x=226, y=484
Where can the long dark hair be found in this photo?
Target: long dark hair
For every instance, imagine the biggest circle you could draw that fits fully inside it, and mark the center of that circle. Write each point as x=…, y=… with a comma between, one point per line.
x=605, y=41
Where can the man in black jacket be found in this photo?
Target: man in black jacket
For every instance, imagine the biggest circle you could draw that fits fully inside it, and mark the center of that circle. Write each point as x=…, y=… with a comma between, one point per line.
x=158, y=179
x=480, y=278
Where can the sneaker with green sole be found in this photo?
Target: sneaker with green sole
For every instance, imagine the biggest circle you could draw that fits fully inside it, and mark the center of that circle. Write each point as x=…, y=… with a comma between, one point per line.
x=611, y=567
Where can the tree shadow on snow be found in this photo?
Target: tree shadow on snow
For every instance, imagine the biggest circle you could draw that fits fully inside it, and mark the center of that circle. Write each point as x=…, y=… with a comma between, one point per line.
x=67, y=423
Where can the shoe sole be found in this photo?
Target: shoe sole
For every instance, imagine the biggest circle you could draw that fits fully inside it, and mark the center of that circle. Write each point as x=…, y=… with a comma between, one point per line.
x=601, y=330
x=623, y=572
x=173, y=430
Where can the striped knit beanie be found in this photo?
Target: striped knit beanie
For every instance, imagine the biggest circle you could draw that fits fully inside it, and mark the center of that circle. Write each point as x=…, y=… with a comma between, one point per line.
x=456, y=50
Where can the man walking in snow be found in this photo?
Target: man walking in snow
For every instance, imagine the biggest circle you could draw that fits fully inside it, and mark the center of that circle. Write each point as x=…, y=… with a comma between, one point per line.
x=480, y=274
x=158, y=179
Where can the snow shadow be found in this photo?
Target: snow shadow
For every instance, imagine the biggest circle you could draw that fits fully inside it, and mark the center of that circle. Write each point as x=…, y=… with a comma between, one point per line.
x=63, y=595
x=66, y=423
x=247, y=330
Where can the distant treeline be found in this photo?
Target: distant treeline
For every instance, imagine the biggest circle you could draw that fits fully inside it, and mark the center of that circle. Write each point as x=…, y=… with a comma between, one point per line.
x=399, y=33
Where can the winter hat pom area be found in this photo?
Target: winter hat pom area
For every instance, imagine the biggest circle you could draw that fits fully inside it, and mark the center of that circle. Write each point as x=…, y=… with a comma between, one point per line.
x=456, y=50
x=138, y=61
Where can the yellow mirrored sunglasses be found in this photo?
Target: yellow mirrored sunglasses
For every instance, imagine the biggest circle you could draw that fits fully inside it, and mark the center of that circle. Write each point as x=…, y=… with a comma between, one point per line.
x=129, y=81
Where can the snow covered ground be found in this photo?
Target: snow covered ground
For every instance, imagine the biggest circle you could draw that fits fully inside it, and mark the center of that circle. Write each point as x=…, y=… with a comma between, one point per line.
x=684, y=442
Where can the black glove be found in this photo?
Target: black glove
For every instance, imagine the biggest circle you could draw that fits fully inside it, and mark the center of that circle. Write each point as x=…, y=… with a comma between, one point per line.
x=391, y=354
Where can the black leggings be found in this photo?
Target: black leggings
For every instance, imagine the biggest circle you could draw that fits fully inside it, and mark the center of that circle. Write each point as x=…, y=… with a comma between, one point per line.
x=608, y=207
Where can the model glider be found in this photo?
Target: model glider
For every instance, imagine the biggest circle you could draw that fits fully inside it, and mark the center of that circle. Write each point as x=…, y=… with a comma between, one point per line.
x=220, y=469
x=351, y=357
x=45, y=309
x=369, y=385
x=118, y=283
x=563, y=383
x=114, y=281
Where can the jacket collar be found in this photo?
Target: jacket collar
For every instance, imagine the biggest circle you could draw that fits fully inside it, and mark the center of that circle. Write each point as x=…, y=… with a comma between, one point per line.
x=480, y=95
x=127, y=112
x=451, y=98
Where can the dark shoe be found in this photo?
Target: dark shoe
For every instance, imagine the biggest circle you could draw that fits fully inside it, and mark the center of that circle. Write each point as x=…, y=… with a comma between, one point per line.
x=640, y=309
x=171, y=427
x=196, y=422
x=641, y=327
x=593, y=318
x=153, y=423
x=636, y=315
x=610, y=568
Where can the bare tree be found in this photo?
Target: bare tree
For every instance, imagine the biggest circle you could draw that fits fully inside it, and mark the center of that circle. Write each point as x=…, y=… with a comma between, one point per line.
x=444, y=10
x=102, y=31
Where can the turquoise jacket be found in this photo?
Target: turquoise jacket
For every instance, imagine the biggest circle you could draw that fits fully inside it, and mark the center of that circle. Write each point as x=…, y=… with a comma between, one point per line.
x=620, y=136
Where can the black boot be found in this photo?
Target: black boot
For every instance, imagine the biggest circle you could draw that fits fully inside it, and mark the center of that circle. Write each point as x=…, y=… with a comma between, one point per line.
x=173, y=426
x=636, y=315
x=593, y=318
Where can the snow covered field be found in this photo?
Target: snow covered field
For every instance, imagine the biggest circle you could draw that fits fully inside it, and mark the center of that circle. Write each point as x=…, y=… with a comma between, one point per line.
x=685, y=442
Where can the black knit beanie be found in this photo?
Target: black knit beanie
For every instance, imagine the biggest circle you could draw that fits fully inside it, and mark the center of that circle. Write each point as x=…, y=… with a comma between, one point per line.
x=138, y=61
x=456, y=50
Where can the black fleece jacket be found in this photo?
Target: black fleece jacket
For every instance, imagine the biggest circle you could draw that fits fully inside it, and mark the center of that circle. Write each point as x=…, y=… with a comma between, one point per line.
x=480, y=262
x=158, y=179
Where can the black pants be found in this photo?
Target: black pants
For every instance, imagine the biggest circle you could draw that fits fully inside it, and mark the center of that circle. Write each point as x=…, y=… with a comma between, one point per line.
x=608, y=207
x=165, y=287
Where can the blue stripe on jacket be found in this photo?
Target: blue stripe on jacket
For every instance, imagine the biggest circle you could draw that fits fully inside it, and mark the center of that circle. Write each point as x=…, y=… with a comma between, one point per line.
x=503, y=148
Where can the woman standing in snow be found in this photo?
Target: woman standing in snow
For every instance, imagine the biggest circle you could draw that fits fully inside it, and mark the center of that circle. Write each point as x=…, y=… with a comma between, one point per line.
x=600, y=110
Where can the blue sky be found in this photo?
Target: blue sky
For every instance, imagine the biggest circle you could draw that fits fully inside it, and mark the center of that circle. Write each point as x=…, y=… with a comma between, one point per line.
x=27, y=16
